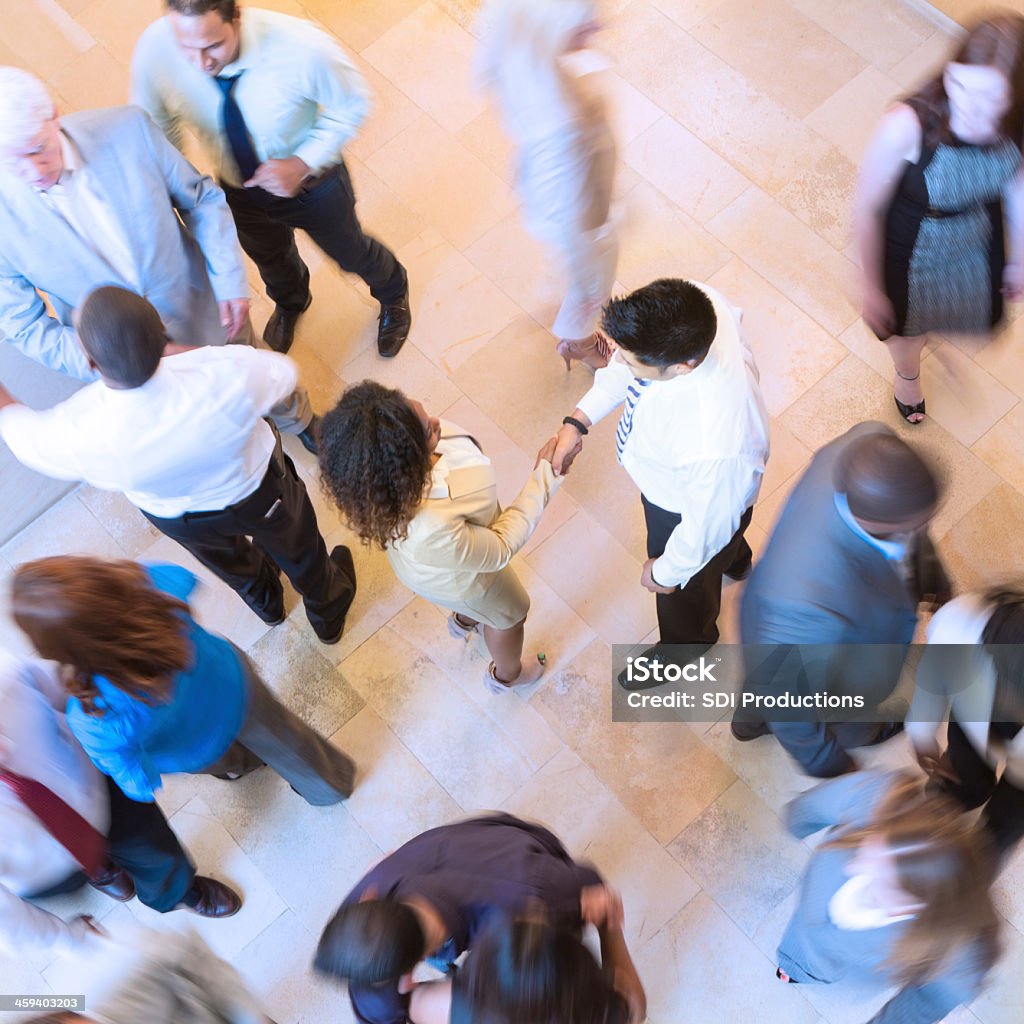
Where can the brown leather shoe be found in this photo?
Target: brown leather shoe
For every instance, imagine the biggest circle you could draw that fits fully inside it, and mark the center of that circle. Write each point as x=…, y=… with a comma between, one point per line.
x=280, y=330
x=212, y=898
x=116, y=883
x=393, y=326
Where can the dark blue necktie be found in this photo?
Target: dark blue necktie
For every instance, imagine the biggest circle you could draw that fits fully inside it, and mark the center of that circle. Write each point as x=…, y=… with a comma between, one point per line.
x=241, y=145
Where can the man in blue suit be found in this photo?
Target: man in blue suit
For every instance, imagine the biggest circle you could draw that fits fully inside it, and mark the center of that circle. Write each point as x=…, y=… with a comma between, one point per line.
x=846, y=569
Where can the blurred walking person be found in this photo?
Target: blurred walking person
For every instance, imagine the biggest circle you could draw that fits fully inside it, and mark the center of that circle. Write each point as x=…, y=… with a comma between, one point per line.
x=150, y=691
x=899, y=890
x=929, y=218
x=565, y=168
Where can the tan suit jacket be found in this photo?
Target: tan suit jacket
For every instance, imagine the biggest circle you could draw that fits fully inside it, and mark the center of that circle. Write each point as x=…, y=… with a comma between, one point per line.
x=459, y=546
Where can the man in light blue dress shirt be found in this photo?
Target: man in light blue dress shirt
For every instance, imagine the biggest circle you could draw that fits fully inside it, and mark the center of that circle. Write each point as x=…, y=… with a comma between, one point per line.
x=273, y=101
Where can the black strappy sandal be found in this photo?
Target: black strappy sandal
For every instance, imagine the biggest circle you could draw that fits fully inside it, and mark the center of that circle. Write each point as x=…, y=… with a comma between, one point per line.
x=906, y=411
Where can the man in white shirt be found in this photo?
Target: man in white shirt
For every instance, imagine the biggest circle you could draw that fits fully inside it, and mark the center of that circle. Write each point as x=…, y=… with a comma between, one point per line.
x=100, y=197
x=274, y=101
x=693, y=435
x=143, y=856
x=185, y=439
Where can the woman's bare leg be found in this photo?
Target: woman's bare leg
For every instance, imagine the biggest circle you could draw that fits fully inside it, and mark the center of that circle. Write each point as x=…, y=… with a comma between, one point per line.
x=906, y=358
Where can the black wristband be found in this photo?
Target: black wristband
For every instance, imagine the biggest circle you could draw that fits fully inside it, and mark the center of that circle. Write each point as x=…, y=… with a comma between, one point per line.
x=573, y=422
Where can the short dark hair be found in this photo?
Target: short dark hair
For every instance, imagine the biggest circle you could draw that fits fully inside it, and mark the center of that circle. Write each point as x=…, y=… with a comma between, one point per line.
x=531, y=971
x=884, y=479
x=374, y=461
x=227, y=9
x=666, y=322
x=371, y=942
x=123, y=335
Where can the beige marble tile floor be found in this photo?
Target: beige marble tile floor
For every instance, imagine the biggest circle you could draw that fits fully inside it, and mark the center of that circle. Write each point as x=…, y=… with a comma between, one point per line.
x=740, y=127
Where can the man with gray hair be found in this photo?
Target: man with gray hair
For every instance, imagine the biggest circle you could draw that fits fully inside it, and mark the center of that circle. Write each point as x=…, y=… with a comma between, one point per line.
x=100, y=197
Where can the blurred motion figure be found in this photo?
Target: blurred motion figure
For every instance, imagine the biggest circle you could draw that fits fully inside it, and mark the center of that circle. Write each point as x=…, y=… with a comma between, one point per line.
x=899, y=889
x=929, y=215
x=566, y=155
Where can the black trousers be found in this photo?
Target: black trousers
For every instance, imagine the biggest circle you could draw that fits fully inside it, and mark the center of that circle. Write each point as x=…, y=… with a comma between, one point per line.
x=141, y=842
x=689, y=615
x=326, y=211
x=280, y=519
x=1003, y=815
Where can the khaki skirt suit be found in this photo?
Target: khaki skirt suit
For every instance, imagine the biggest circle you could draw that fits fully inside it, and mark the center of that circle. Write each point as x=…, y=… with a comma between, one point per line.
x=461, y=541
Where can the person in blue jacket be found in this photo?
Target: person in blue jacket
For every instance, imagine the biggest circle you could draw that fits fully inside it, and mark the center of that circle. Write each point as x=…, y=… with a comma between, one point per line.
x=150, y=691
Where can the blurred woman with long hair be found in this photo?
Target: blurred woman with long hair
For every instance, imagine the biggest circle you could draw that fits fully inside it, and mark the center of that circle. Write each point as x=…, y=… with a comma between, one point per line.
x=928, y=217
x=566, y=155
x=899, y=889
x=531, y=972
x=150, y=691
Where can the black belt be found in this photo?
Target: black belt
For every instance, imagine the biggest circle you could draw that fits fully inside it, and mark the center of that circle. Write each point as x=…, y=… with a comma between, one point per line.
x=275, y=468
x=933, y=214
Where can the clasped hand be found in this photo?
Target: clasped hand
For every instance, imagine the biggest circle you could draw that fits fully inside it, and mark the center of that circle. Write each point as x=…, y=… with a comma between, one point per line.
x=282, y=178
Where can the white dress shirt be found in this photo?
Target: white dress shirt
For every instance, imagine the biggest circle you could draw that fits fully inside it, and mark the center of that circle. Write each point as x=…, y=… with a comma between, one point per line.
x=970, y=697
x=191, y=439
x=698, y=444
x=299, y=94
x=36, y=742
x=77, y=199
x=457, y=451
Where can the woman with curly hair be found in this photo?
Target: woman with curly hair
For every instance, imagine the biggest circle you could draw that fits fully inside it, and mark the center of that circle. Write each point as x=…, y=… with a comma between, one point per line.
x=423, y=491
x=150, y=691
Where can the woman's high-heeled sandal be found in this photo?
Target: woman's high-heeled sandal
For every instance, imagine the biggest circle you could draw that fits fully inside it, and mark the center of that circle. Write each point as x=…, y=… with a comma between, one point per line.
x=593, y=351
x=525, y=677
x=906, y=411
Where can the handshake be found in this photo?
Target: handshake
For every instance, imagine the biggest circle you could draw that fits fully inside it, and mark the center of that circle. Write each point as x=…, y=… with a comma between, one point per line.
x=562, y=449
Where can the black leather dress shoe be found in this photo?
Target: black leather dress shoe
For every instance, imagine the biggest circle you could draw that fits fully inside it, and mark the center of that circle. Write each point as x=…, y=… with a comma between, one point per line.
x=280, y=330
x=393, y=326
x=210, y=898
x=310, y=437
x=747, y=731
x=330, y=633
x=116, y=883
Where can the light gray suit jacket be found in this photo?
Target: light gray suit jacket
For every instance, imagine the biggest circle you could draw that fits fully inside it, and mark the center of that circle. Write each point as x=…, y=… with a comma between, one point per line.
x=184, y=265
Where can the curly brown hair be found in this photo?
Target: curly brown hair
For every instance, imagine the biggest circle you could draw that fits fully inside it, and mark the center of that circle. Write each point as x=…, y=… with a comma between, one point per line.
x=374, y=461
x=99, y=618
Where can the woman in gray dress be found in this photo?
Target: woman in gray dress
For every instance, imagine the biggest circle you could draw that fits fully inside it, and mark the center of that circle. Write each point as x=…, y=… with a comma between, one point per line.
x=929, y=212
x=899, y=889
